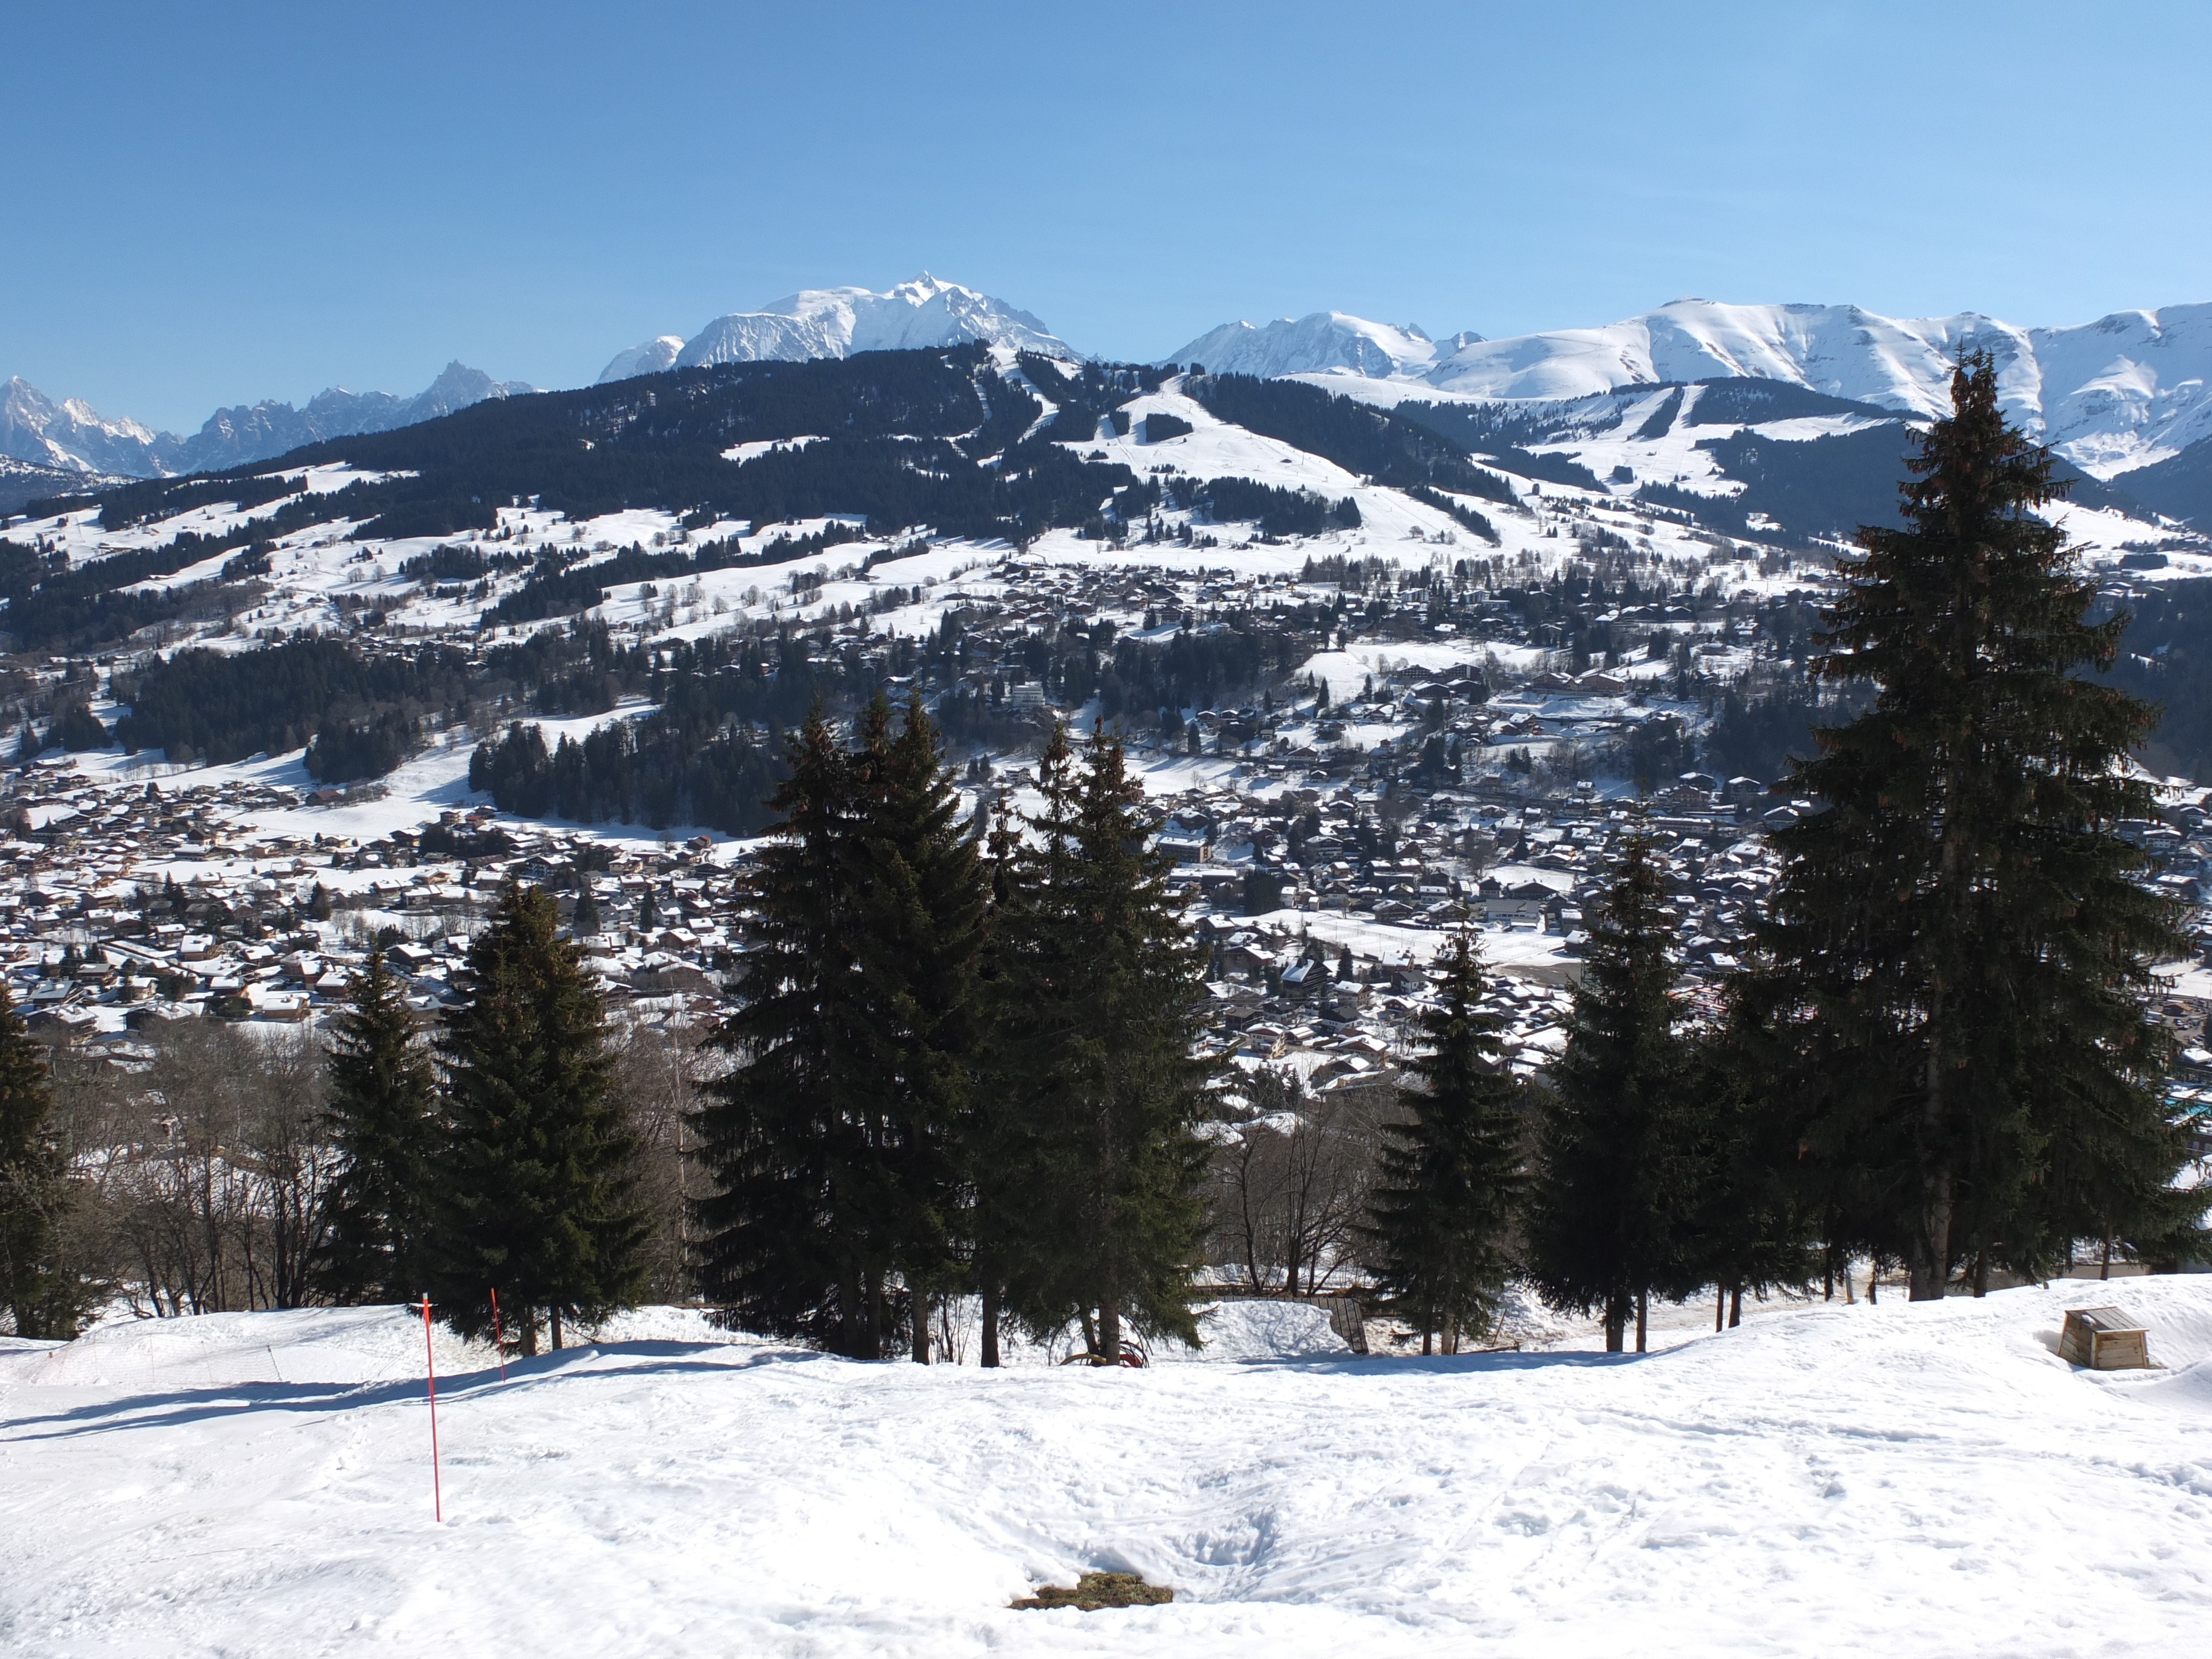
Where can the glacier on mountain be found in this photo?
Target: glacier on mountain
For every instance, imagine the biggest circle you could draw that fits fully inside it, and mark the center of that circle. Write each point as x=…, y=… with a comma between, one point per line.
x=836, y=322
x=1322, y=342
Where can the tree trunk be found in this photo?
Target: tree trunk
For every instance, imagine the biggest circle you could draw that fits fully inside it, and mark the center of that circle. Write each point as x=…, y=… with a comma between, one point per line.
x=1735, y=1306
x=849, y=1309
x=1720, y=1305
x=1110, y=1331
x=556, y=1330
x=920, y=1315
x=1616, y=1322
x=1932, y=1239
x=1090, y=1333
x=2104, y=1266
x=990, y=1357
x=1642, y=1317
x=530, y=1333
x=1982, y=1272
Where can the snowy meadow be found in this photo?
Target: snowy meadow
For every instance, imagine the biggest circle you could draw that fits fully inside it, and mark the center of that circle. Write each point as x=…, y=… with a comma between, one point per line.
x=1900, y=1479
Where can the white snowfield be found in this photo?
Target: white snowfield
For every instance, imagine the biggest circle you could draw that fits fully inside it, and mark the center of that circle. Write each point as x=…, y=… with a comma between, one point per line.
x=1890, y=1480
x=2122, y=391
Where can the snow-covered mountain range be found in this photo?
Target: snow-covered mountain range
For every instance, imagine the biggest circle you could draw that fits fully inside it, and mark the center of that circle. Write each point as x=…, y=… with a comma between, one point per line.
x=2121, y=392
x=2126, y=391
x=836, y=322
x=72, y=437
x=1325, y=343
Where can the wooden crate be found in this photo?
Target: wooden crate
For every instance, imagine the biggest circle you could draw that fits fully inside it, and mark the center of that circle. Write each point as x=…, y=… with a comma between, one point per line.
x=2103, y=1340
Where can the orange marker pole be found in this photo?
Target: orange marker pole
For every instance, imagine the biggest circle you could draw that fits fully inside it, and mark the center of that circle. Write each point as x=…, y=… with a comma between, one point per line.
x=430, y=1358
x=498, y=1336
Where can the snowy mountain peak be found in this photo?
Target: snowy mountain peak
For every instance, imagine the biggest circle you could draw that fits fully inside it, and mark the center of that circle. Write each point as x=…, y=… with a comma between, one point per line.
x=836, y=322
x=70, y=435
x=1322, y=342
x=648, y=357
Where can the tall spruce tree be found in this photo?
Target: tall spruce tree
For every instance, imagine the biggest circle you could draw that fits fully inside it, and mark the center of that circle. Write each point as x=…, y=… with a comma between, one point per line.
x=1447, y=1200
x=1096, y=1214
x=785, y=1246
x=44, y=1293
x=533, y=1194
x=918, y=887
x=1603, y=1217
x=383, y=1120
x=1952, y=975
x=833, y=1138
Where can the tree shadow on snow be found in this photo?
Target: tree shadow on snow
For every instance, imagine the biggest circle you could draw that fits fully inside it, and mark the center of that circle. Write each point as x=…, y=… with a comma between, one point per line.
x=1461, y=1365
x=177, y=1406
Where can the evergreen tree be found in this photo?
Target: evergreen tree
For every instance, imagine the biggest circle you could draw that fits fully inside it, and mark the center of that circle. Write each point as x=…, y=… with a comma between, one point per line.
x=1740, y=1224
x=533, y=1196
x=1957, y=953
x=796, y=1243
x=584, y=920
x=918, y=889
x=835, y=1137
x=1446, y=1203
x=383, y=1122
x=319, y=906
x=1095, y=1177
x=43, y=1292
x=1602, y=1222
x=648, y=915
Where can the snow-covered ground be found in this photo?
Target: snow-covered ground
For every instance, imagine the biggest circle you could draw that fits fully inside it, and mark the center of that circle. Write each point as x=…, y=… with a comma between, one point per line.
x=1891, y=1480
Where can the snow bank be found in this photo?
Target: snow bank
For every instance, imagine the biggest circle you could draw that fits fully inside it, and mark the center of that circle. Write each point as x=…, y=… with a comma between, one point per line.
x=1244, y=1331
x=1897, y=1480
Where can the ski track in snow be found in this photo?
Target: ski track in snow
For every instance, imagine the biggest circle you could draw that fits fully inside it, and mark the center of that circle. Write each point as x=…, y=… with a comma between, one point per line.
x=1894, y=1479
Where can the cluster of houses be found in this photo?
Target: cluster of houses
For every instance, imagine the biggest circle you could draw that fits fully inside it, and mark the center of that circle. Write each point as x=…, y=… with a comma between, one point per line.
x=1325, y=841
x=125, y=904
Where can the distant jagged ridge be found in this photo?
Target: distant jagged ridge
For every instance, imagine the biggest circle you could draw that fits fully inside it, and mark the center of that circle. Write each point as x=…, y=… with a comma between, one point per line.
x=70, y=437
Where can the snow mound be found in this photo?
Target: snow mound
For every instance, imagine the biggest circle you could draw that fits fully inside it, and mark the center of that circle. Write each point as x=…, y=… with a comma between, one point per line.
x=302, y=1344
x=1244, y=1331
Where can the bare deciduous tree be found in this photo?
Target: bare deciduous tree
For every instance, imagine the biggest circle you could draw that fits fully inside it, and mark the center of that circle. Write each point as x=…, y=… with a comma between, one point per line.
x=656, y=1073
x=1290, y=1179
x=207, y=1167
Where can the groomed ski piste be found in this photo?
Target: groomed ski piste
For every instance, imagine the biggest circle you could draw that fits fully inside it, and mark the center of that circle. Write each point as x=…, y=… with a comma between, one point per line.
x=1892, y=1480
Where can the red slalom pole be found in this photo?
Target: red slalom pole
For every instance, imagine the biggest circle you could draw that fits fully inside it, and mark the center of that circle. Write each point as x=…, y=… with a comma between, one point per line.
x=498, y=1336
x=430, y=1358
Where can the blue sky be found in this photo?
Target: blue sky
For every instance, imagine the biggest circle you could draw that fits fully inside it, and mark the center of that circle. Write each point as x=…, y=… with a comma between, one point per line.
x=217, y=203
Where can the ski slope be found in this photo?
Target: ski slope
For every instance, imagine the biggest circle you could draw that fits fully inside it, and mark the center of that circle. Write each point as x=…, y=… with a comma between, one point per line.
x=1898, y=1480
